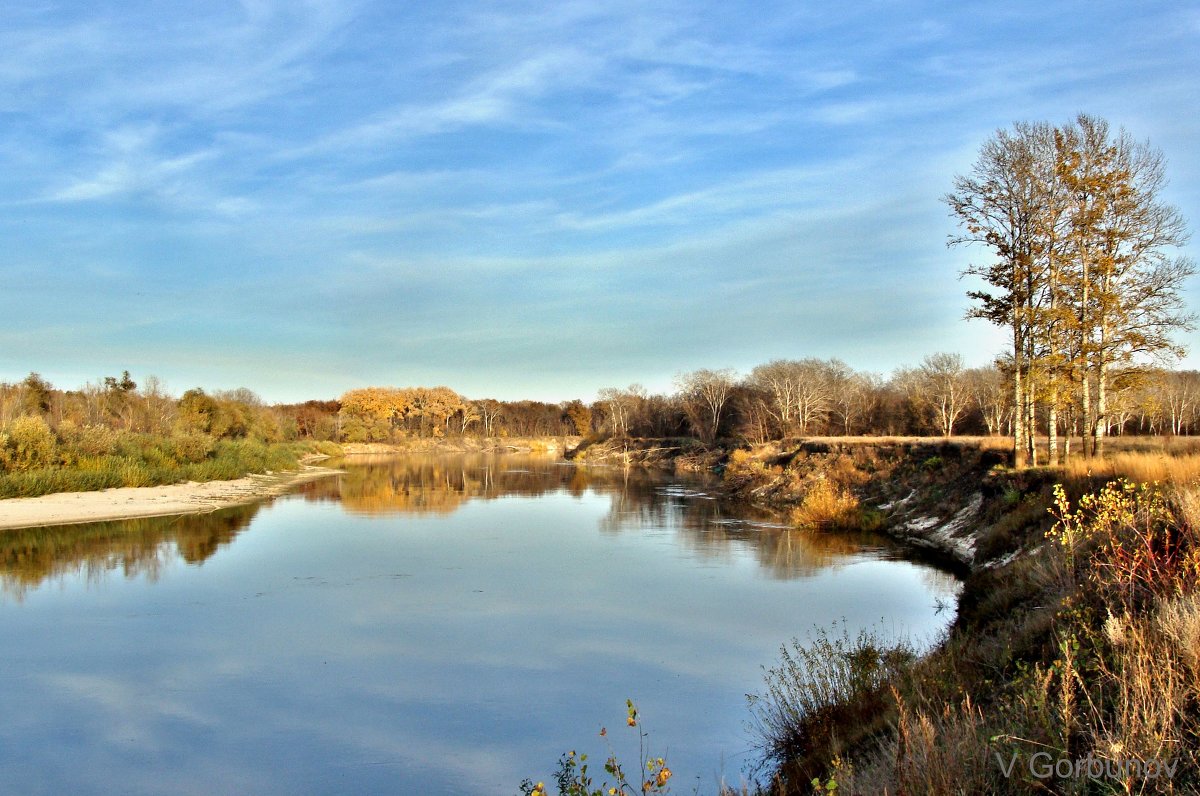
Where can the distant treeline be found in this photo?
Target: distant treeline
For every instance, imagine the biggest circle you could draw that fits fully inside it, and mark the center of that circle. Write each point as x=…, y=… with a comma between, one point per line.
x=784, y=398
x=42, y=425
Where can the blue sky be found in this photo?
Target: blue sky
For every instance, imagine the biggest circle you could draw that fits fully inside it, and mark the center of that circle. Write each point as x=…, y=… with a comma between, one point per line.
x=527, y=199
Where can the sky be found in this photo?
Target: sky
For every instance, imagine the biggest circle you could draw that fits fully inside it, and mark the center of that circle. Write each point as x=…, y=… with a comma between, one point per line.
x=529, y=200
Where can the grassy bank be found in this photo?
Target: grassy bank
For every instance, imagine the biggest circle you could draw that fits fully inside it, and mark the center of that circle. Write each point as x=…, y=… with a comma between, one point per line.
x=1073, y=665
x=36, y=461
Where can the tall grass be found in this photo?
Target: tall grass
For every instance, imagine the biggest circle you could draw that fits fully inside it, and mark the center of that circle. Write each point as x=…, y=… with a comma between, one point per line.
x=825, y=505
x=1145, y=467
x=827, y=696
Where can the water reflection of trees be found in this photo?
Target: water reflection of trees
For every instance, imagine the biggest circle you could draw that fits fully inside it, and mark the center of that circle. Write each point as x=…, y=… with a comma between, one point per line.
x=440, y=484
x=719, y=530
x=708, y=527
x=136, y=548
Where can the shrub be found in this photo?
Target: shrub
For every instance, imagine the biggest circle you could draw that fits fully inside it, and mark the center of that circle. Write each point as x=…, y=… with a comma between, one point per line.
x=29, y=444
x=1126, y=542
x=650, y=776
x=146, y=460
x=87, y=441
x=191, y=447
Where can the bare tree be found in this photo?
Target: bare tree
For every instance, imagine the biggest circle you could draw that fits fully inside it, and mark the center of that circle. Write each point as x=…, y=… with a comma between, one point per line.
x=622, y=407
x=489, y=410
x=852, y=395
x=705, y=393
x=988, y=388
x=1178, y=395
x=801, y=391
x=938, y=390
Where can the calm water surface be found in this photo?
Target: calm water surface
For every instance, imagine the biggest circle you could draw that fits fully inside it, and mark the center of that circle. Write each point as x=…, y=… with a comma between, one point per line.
x=434, y=625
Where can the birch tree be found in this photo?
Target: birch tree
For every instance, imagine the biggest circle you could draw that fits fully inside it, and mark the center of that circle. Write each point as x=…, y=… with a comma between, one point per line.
x=1083, y=273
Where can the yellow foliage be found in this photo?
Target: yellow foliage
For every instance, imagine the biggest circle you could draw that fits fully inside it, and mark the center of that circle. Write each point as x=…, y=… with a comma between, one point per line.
x=27, y=443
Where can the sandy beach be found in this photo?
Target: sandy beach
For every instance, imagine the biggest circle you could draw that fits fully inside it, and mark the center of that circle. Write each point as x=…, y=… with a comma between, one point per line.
x=150, y=501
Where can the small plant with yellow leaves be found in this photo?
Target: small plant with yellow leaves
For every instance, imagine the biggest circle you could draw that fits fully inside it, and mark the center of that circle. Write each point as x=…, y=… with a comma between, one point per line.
x=1133, y=547
x=573, y=778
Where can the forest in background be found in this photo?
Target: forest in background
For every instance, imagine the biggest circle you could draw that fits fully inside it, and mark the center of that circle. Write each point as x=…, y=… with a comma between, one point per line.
x=776, y=400
x=116, y=432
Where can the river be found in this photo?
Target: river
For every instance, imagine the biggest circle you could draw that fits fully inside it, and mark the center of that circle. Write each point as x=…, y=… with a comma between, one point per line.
x=420, y=624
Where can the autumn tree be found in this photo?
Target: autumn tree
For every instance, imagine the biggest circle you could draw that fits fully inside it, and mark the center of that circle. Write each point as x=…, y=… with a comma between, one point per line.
x=1082, y=273
x=579, y=416
x=36, y=394
x=997, y=205
x=195, y=411
x=155, y=409
x=1125, y=281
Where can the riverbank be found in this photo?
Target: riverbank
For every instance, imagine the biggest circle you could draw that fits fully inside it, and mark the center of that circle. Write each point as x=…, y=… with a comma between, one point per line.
x=930, y=493
x=66, y=508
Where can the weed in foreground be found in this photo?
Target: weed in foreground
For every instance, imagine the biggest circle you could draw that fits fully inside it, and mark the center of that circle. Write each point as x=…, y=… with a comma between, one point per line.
x=574, y=777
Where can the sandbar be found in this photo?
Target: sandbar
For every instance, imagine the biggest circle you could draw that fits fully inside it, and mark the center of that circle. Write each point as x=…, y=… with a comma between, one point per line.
x=122, y=503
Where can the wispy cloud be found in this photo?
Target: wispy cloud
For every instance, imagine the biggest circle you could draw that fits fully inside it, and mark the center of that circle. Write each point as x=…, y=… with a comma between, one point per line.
x=130, y=164
x=421, y=181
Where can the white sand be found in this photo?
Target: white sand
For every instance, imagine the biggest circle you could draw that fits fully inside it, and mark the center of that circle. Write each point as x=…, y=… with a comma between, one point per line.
x=150, y=501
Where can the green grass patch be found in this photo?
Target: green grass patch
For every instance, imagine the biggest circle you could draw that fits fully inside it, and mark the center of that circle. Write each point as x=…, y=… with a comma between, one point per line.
x=143, y=460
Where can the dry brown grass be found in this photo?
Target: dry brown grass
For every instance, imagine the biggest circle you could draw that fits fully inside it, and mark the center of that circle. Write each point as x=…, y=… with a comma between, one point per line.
x=1172, y=445
x=1143, y=467
x=1186, y=501
x=1149, y=681
x=1089, y=649
x=1179, y=622
x=965, y=441
x=826, y=505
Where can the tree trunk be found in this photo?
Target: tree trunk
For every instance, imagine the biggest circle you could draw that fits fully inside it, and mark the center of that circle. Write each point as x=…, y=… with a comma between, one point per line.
x=1020, y=456
x=1101, y=408
x=1085, y=405
x=1052, y=429
x=1032, y=425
